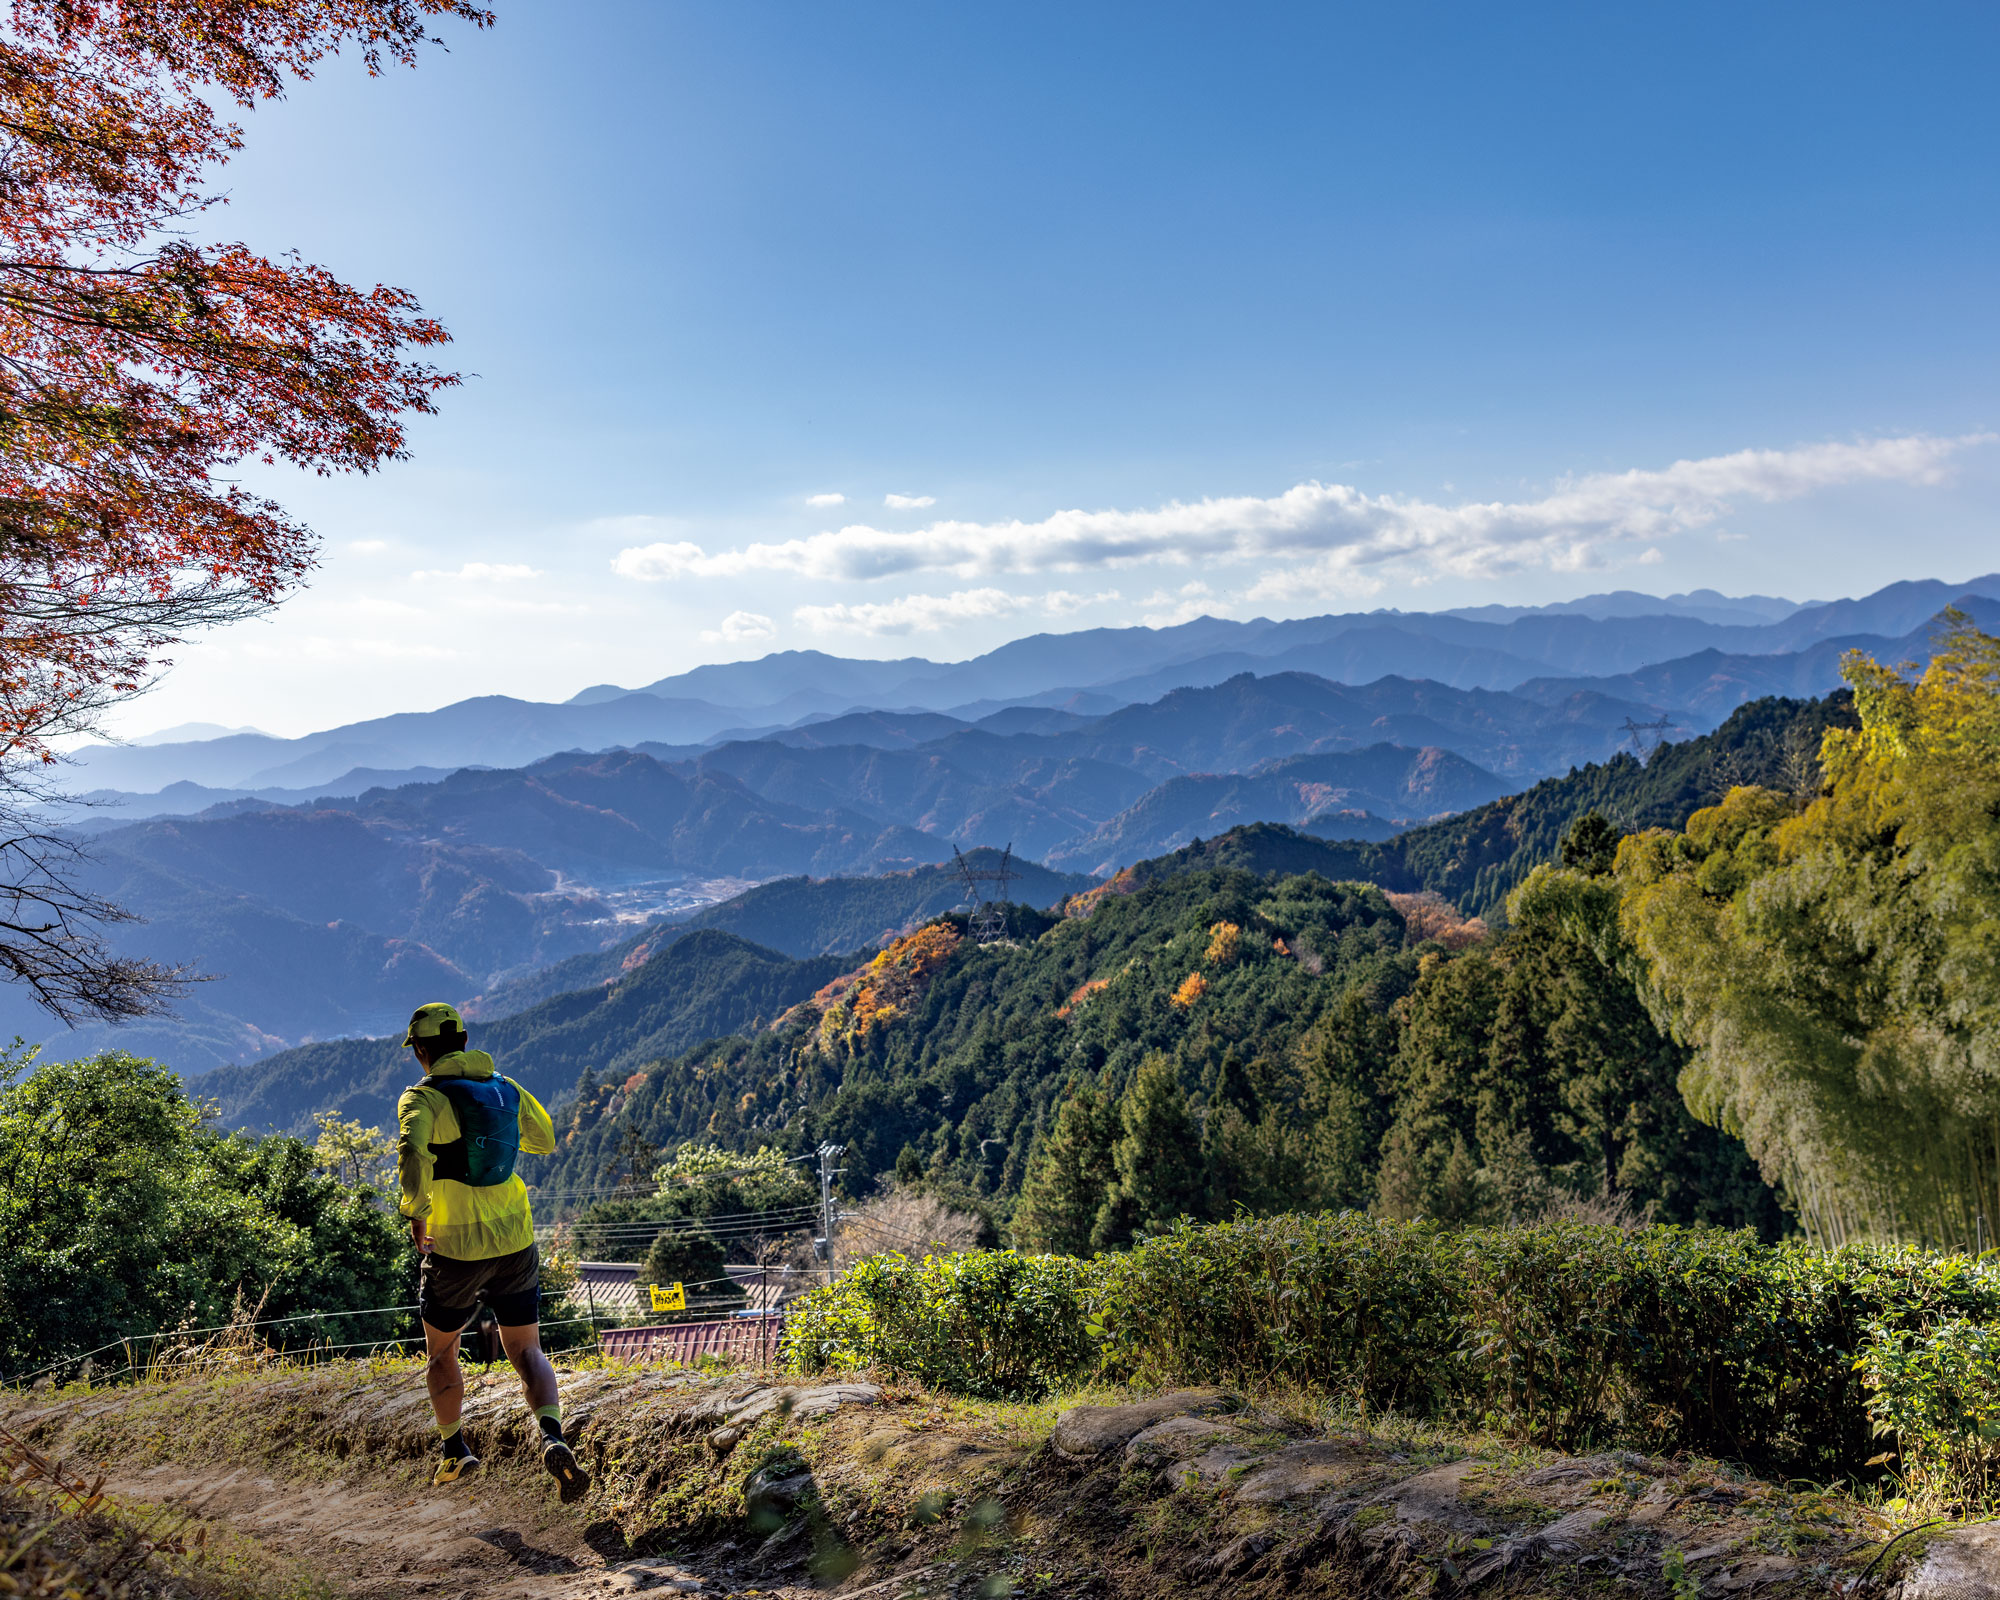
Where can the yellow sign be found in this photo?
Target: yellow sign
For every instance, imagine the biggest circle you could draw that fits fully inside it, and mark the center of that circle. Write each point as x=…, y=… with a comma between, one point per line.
x=669, y=1297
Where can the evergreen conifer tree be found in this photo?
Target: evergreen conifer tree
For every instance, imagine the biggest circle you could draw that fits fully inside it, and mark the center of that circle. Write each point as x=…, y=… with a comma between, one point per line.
x=1068, y=1177
x=1158, y=1157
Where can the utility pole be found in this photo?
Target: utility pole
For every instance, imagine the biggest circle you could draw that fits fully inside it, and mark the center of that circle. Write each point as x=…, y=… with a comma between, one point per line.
x=828, y=1154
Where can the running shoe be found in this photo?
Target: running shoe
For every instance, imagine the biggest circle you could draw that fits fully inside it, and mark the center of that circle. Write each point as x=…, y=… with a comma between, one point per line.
x=571, y=1480
x=453, y=1468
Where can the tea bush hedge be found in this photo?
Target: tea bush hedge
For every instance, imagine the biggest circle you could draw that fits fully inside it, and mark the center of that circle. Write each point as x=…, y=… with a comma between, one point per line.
x=1565, y=1333
x=1683, y=1337
x=1934, y=1399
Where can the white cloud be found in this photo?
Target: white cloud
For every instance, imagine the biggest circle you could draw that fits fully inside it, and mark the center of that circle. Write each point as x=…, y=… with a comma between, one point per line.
x=1335, y=533
x=829, y=499
x=649, y=563
x=486, y=572
x=1061, y=603
x=741, y=627
x=913, y=613
x=909, y=502
x=368, y=547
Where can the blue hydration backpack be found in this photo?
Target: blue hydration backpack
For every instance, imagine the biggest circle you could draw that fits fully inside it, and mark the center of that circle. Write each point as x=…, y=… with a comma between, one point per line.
x=489, y=1124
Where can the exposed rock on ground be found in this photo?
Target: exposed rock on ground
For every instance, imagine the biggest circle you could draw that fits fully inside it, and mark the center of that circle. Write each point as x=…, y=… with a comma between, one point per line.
x=1083, y=1433
x=1959, y=1564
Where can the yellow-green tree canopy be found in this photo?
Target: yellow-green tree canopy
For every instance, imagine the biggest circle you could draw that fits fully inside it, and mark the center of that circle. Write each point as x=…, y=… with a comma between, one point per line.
x=1833, y=960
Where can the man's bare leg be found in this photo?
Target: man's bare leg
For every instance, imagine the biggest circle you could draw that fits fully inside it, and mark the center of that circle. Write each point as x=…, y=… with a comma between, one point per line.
x=446, y=1386
x=442, y=1376
x=524, y=1348
x=523, y=1345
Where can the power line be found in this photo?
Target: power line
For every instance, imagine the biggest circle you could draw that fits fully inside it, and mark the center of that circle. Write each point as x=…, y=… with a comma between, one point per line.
x=734, y=1230
x=735, y=1222
x=735, y=1219
x=639, y=1188
x=716, y=1216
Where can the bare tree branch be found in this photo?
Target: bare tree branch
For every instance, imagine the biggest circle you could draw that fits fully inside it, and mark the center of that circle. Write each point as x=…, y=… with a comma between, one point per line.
x=51, y=935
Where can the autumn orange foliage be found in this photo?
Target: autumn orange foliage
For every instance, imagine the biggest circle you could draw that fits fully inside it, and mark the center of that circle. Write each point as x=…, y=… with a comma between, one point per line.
x=1192, y=988
x=142, y=364
x=854, y=1006
x=1085, y=901
x=1223, y=941
x=1084, y=991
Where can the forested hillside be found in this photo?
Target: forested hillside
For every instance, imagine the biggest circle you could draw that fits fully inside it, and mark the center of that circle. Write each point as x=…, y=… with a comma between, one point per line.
x=1209, y=1039
x=1229, y=1028
x=1476, y=858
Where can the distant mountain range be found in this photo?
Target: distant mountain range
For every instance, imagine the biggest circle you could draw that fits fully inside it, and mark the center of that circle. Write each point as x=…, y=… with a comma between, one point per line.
x=506, y=861
x=705, y=986
x=320, y=919
x=655, y=993
x=1589, y=644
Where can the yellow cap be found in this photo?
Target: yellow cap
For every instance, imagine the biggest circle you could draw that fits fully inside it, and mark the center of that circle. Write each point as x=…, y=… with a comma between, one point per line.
x=429, y=1021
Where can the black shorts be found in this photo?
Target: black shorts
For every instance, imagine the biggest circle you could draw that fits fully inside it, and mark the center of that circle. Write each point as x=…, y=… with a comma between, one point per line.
x=449, y=1292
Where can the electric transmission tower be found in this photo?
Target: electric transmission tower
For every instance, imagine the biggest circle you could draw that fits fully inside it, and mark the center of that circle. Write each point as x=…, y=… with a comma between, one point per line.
x=1642, y=747
x=988, y=918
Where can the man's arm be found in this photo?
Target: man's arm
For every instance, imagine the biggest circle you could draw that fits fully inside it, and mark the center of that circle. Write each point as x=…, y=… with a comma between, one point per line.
x=414, y=1117
x=538, y=1129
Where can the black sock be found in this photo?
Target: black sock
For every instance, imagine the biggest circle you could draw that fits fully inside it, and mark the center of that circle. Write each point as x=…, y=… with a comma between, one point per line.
x=455, y=1447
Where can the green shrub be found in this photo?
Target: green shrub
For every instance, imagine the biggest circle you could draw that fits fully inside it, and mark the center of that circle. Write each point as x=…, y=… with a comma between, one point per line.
x=1776, y=1356
x=1335, y=1301
x=1937, y=1393
x=1684, y=1338
x=987, y=1323
x=123, y=1214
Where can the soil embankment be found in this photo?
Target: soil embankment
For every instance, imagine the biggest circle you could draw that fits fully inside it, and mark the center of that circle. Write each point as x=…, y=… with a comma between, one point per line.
x=726, y=1484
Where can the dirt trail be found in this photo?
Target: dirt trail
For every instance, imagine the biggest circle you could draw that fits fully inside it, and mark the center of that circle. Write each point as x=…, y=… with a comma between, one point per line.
x=386, y=1542
x=738, y=1484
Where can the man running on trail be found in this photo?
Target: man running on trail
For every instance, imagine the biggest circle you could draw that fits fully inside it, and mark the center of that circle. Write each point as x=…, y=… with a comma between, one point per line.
x=458, y=1134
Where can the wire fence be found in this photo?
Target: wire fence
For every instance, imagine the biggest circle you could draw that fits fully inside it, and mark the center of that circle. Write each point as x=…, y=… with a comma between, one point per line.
x=178, y=1337
x=399, y=1348
x=740, y=1225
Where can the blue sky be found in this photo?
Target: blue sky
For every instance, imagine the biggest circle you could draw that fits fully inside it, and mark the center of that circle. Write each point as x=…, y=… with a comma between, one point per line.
x=1483, y=275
